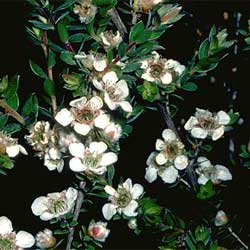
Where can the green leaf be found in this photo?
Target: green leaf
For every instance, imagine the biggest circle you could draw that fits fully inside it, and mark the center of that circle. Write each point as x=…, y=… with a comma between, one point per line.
x=66, y=4
x=12, y=128
x=206, y=191
x=136, y=31
x=204, y=49
x=78, y=38
x=68, y=57
x=30, y=106
x=51, y=59
x=111, y=174
x=148, y=91
x=41, y=25
x=3, y=120
x=37, y=70
x=49, y=87
x=189, y=86
x=6, y=162
x=63, y=32
x=61, y=231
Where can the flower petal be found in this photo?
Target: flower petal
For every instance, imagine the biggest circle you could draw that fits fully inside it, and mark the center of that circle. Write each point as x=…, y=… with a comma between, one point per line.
x=79, y=102
x=223, y=173
x=199, y=133
x=64, y=117
x=129, y=210
x=192, y=121
x=123, y=88
x=169, y=175
x=223, y=118
x=39, y=205
x=203, y=162
x=181, y=162
x=202, y=180
x=108, y=159
x=126, y=106
x=161, y=159
x=166, y=78
x=24, y=239
x=47, y=216
x=112, y=105
x=5, y=225
x=128, y=184
x=13, y=151
x=77, y=149
x=95, y=103
x=218, y=133
x=102, y=121
x=100, y=64
x=98, y=147
x=168, y=135
x=151, y=174
x=137, y=191
x=110, y=190
x=110, y=78
x=76, y=165
x=108, y=211
x=81, y=128
x=159, y=145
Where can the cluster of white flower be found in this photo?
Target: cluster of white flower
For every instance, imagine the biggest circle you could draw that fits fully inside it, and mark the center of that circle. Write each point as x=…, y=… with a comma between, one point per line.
x=160, y=70
x=167, y=160
x=10, y=146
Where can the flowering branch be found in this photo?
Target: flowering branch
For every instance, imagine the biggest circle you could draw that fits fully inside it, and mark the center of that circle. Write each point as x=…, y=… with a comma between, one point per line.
x=11, y=111
x=78, y=206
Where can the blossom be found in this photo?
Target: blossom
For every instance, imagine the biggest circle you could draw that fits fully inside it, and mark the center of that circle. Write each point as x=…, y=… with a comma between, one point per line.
x=83, y=115
x=207, y=171
x=96, y=62
x=221, y=218
x=123, y=200
x=10, y=146
x=160, y=70
x=205, y=124
x=53, y=159
x=113, y=131
x=54, y=205
x=86, y=10
x=145, y=5
x=92, y=159
x=98, y=230
x=111, y=39
x=10, y=240
x=45, y=239
x=167, y=160
x=115, y=91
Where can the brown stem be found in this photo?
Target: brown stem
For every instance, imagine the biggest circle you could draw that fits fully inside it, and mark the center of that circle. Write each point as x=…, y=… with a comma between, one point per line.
x=78, y=206
x=10, y=111
x=118, y=22
x=237, y=238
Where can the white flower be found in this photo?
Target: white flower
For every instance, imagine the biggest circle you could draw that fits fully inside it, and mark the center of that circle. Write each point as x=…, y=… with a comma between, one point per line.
x=54, y=205
x=115, y=91
x=10, y=240
x=10, y=146
x=207, y=171
x=98, y=230
x=84, y=115
x=92, y=159
x=123, y=200
x=113, y=131
x=110, y=40
x=205, y=124
x=170, y=158
x=53, y=159
x=160, y=70
x=45, y=239
x=94, y=62
x=221, y=218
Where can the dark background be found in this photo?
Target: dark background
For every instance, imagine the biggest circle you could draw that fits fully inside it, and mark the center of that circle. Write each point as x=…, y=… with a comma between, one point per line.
x=31, y=179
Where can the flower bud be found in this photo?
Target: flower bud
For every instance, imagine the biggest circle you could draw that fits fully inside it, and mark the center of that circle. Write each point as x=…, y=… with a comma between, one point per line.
x=98, y=231
x=132, y=224
x=170, y=13
x=110, y=39
x=113, y=131
x=221, y=218
x=45, y=239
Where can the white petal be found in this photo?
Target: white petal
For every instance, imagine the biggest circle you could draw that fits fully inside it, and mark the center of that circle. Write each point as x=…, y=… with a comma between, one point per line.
x=81, y=128
x=24, y=239
x=169, y=175
x=108, y=159
x=181, y=162
x=71, y=194
x=192, y=121
x=151, y=174
x=76, y=165
x=98, y=147
x=147, y=76
x=130, y=209
x=102, y=121
x=5, y=225
x=39, y=205
x=223, y=118
x=79, y=102
x=128, y=184
x=77, y=149
x=199, y=133
x=13, y=151
x=202, y=180
x=144, y=64
x=168, y=135
x=161, y=159
x=95, y=103
x=47, y=216
x=218, y=133
x=112, y=105
x=100, y=64
x=64, y=117
x=123, y=87
x=203, y=162
x=126, y=106
x=22, y=150
x=97, y=84
x=110, y=78
x=159, y=145
x=137, y=191
x=166, y=78
x=110, y=190
x=151, y=159
x=108, y=211
x=223, y=173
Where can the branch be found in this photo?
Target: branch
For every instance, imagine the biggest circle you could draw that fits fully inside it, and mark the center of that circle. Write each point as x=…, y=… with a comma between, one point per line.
x=10, y=111
x=237, y=238
x=118, y=22
x=78, y=206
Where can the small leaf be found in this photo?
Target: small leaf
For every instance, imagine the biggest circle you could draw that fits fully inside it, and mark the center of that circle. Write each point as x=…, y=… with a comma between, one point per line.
x=68, y=57
x=189, y=86
x=49, y=87
x=37, y=70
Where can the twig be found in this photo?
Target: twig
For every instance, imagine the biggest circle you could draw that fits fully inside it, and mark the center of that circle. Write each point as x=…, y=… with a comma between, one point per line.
x=118, y=22
x=10, y=111
x=237, y=238
x=78, y=206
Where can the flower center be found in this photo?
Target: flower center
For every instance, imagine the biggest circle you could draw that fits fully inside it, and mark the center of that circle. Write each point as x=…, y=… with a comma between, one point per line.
x=91, y=160
x=173, y=149
x=7, y=243
x=57, y=205
x=156, y=70
x=114, y=93
x=124, y=197
x=208, y=123
x=84, y=115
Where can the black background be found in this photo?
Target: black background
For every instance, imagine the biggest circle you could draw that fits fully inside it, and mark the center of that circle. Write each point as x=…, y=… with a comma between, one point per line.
x=31, y=179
